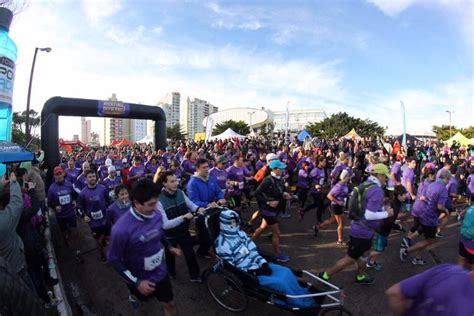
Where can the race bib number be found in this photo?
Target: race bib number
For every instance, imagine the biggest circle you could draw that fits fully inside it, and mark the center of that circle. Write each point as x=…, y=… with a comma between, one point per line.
x=154, y=261
x=241, y=185
x=97, y=215
x=64, y=199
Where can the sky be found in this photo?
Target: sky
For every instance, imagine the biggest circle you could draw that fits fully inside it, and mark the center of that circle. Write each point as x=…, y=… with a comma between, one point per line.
x=361, y=57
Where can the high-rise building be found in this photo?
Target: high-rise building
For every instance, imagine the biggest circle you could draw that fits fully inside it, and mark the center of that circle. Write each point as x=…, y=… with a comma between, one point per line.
x=85, y=130
x=170, y=104
x=193, y=114
x=138, y=130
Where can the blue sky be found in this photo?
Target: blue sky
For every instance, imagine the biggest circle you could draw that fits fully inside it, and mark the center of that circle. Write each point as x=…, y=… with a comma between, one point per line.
x=361, y=57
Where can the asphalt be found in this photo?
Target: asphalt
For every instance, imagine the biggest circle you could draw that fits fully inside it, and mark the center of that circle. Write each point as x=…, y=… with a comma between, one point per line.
x=94, y=288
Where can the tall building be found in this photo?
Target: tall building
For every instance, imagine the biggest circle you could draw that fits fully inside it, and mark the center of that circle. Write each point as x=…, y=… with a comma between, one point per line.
x=86, y=130
x=297, y=119
x=138, y=130
x=170, y=104
x=193, y=114
x=115, y=128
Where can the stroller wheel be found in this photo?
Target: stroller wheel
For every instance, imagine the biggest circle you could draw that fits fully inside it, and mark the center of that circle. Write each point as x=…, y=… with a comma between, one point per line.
x=226, y=290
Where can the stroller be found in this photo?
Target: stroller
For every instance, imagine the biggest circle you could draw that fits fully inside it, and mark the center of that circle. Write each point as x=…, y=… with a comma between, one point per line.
x=231, y=287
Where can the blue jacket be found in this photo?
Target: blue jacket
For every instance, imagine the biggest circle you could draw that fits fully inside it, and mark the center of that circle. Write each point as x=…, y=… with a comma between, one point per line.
x=201, y=192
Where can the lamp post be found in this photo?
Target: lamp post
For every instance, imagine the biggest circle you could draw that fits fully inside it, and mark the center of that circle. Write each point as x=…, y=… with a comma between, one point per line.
x=450, y=113
x=251, y=113
x=27, y=120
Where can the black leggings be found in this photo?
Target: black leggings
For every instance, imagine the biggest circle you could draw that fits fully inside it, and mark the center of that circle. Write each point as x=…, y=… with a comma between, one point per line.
x=302, y=196
x=318, y=203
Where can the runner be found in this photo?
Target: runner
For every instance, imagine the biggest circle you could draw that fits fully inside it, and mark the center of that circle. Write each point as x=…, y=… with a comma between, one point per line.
x=136, y=249
x=120, y=206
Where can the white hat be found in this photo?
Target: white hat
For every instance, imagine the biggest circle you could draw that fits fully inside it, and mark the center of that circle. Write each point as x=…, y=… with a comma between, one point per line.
x=124, y=160
x=111, y=169
x=108, y=162
x=271, y=156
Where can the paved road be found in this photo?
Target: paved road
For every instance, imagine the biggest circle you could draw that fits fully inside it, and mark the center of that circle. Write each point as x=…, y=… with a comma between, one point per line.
x=94, y=288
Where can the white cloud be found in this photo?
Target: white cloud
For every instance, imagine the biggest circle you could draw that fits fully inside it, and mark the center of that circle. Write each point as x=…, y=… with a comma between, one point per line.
x=96, y=10
x=392, y=7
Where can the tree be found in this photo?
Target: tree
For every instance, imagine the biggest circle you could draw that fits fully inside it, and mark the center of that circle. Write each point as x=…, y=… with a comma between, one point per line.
x=239, y=127
x=442, y=132
x=175, y=133
x=339, y=124
x=18, y=125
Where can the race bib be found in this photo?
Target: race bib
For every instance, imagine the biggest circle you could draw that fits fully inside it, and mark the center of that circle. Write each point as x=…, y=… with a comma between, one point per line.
x=64, y=199
x=154, y=261
x=112, y=194
x=97, y=215
x=241, y=185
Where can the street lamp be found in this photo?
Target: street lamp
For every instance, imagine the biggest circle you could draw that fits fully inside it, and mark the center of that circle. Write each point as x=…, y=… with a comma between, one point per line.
x=27, y=120
x=250, y=114
x=450, y=113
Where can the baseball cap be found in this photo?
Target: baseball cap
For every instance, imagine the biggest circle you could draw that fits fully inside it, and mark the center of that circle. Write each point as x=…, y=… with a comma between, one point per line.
x=221, y=159
x=380, y=168
x=276, y=164
x=57, y=170
x=111, y=169
x=124, y=160
x=271, y=156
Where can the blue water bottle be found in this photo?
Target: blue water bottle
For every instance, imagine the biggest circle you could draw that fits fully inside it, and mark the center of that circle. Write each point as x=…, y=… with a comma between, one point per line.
x=7, y=76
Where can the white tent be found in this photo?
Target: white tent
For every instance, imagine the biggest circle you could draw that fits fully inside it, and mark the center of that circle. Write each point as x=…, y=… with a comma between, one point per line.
x=147, y=139
x=252, y=134
x=229, y=133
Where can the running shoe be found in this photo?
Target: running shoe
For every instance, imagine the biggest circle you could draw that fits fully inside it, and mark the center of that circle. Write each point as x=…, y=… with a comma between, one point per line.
x=418, y=262
x=374, y=265
x=403, y=254
x=285, y=215
x=315, y=230
x=282, y=258
x=53, y=303
x=439, y=235
x=321, y=276
x=79, y=257
x=133, y=301
x=365, y=280
x=406, y=243
x=341, y=244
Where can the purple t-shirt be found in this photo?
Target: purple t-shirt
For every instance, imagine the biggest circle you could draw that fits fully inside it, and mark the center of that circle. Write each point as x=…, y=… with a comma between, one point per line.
x=151, y=169
x=418, y=206
x=136, y=170
x=317, y=176
x=340, y=192
x=261, y=163
x=436, y=193
x=115, y=211
x=408, y=176
x=72, y=174
x=373, y=201
x=81, y=182
x=445, y=289
x=237, y=175
x=62, y=194
x=338, y=169
x=397, y=171
x=220, y=175
x=93, y=203
x=103, y=172
x=303, y=179
x=110, y=184
x=452, y=188
x=470, y=184
x=167, y=159
x=135, y=241
x=188, y=167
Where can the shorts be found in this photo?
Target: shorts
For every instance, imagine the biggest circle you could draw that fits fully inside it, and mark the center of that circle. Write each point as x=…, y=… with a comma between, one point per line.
x=428, y=231
x=337, y=209
x=357, y=247
x=465, y=254
x=100, y=231
x=163, y=291
x=271, y=220
x=66, y=223
x=381, y=243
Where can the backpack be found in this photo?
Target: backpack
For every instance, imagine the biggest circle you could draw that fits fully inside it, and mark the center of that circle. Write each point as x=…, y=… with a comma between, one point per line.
x=356, y=200
x=467, y=228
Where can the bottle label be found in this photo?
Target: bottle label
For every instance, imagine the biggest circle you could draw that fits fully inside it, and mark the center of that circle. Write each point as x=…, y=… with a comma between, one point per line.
x=7, y=76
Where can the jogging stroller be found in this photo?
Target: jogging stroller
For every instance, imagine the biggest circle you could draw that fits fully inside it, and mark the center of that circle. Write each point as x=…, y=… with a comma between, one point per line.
x=231, y=287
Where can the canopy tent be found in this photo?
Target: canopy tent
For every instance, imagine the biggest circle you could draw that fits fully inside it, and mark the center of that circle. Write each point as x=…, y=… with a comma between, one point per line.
x=410, y=139
x=11, y=152
x=302, y=135
x=124, y=142
x=147, y=139
x=460, y=139
x=352, y=135
x=114, y=143
x=252, y=133
x=68, y=145
x=229, y=133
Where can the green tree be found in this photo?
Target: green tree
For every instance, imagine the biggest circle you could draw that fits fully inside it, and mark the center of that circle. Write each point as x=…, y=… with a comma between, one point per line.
x=175, y=132
x=239, y=127
x=442, y=132
x=18, y=126
x=341, y=123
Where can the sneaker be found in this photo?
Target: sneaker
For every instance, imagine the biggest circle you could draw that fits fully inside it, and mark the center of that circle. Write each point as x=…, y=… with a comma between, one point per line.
x=301, y=213
x=366, y=280
x=374, y=265
x=285, y=215
x=403, y=254
x=195, y=280
x=418, y=262
x=315, y=230
x=321, y=276
x=282, y=258
x=405, y=243
x=439, y=235
x=53, y=303
x=133, y=301
x=399, y=227
x=341, y=244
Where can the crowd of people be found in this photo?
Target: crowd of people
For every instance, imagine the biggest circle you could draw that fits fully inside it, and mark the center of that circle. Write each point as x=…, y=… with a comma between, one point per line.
x=140, y=204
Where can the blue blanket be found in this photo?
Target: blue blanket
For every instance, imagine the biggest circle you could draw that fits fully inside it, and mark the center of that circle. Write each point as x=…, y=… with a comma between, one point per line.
x=284, y=281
